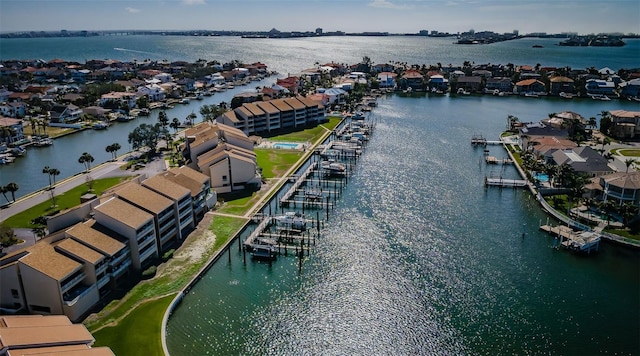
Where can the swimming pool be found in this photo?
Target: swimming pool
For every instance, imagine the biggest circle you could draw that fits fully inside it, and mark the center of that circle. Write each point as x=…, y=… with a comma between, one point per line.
x=542, y=177
x=286, y=145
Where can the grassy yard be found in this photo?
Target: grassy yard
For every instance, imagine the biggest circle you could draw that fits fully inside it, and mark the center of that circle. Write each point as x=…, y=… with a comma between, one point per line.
x=309, y=135
x=139, y=332
x=63, y=201
x=275, y=162
x=172, y=276
x=628, y=152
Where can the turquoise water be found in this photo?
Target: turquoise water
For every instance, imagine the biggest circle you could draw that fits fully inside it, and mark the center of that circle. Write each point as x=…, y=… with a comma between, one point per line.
x=541, y=177
x=286, y=145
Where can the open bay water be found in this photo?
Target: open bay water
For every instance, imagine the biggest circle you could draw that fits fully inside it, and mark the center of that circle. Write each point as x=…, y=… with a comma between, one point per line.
x=418, y=257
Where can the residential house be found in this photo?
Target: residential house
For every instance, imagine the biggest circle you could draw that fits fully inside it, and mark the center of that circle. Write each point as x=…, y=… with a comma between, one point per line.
x=154, y=91
x=11, y=130
x=438, y=82
x=560, y=84
x=15, y=109
x=529, y=86
x=583, y=160
x=387, y=79
x=600, y=87
x=631, y=88
x=471, y=84
x=501, y=84
x=621, y=187
x=626, y=124
x=118, y=99
x=413, y=79
x=61, y=113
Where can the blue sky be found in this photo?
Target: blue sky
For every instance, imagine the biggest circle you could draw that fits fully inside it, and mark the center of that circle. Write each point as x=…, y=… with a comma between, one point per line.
x=396, y=16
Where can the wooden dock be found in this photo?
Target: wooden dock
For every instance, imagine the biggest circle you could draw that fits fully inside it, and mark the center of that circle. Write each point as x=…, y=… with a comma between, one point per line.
x=505, y=183
x=495, y=160
x=581, y=241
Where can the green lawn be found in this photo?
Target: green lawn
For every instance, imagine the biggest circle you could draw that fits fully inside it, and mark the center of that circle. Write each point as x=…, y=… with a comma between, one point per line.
x=63, y=201
x=183, y=271
x=628, y=152
x=139, y=333
x=275, y=162
x=308, y=135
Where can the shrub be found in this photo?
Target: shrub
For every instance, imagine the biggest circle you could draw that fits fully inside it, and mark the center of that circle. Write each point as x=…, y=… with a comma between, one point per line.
x=167, y=255
x=149, y=272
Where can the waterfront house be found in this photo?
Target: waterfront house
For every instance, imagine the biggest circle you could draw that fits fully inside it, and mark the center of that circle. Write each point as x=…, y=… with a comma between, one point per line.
x=154, y=91
x=600, y=87
x=11, y=130
x=501, y=84
x=412, y=79
x=630, y=88
x=292, y=84
x=135, y=224
x=438, y=82
x=387, y=79
x=470, y=84
x=4, y=94
x=621, y=187
x=583, y=160
x=560, y=84
x=118, y=100
x=529, y=86
x=626, y=124
x=61, y=113
x=15, y=109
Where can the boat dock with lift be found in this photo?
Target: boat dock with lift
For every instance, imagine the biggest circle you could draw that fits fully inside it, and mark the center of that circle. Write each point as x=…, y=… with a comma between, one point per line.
x=580, y=241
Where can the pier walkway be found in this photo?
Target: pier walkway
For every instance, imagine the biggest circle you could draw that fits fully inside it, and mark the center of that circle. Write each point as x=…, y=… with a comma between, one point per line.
x=501, y=182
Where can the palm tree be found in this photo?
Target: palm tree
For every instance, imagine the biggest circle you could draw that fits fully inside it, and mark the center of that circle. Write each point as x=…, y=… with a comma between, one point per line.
x=113, y=149
x=175, y=124
x=4, y=192
x=163, y=119
x=629, y=162
x=605, y=141
x=46, y=170
x=54, y=172
x=86, y=159
x=12, y=188
x=593, y=123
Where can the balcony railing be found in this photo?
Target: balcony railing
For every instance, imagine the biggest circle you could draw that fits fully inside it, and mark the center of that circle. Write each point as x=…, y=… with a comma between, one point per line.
x=72, y=283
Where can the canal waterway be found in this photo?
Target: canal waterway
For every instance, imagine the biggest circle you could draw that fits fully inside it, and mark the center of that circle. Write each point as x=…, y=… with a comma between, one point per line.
x=418, y=257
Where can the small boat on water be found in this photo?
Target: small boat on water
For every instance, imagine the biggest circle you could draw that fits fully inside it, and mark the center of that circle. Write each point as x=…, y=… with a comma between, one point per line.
x=18, y=151
x=600, y=97
x=144, y=112
x=42, y=142
x=6, y=158
x=184, y=101
x=331, y=167
x=537, y=46
x=566, y=95
x=100, y=125
x=461, y=91
x=124, y=118
x=531, y=95
x=313, y=194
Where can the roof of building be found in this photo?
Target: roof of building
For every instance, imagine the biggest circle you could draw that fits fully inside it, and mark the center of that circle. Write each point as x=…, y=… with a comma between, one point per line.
x=254, y=109
x=529, y=82
x=124, y=212
x=582, y=159
x=561, y=79
x=43, y=258
x=281, y=105
x=143, y=197
x=191, y=173
x=231, y=116
x=100, y=238
x=21, y=321
x=295, y=103
x=192, y=185
x=629, y=180
x=93, y=351
x=47, y=350
x=79, y=250
x=166, y=187
x=625, y=114
x=267, y=107
x=32, y=336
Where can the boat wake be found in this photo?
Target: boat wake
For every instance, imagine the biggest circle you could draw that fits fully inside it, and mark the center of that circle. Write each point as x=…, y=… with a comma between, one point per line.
x=133, y=50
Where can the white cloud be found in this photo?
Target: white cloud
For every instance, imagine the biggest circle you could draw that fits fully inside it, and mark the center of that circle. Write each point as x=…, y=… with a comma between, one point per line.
x=193, y=2
x=387, y=5
x=132, y=10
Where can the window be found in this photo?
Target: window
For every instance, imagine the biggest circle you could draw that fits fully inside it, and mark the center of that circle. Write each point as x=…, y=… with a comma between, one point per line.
x=14, y=293
x=224, y=178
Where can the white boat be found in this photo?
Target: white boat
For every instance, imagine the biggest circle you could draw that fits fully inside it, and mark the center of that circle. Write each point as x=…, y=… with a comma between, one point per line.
x=291, y=220
x=18, y=151
x=44, y=141
x=184, y=101
x=100, y=126
x=531, y=95
x=6, y=158
x=461, y=91
x=199, y=96
x=313, y=194
x=332, y=167
x=566, y=95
